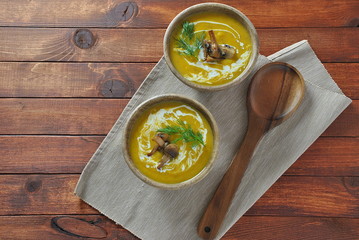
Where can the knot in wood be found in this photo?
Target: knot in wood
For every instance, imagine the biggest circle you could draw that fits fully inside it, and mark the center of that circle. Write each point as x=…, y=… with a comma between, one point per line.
x=114, y=88
x=33, y=186
x=122, y=12
x=351, y=184
x=83, y=38
x=78, y=227
x=353, y=22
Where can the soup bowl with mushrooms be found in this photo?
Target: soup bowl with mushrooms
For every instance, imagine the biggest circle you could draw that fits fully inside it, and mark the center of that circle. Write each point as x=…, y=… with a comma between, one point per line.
x=211, y=46
x=170, y=141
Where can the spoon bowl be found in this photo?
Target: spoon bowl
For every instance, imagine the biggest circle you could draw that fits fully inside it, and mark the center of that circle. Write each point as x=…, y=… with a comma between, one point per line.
x=275, y=93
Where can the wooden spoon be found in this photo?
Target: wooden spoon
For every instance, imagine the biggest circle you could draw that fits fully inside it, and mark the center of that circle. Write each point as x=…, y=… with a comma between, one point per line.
x=274, y=94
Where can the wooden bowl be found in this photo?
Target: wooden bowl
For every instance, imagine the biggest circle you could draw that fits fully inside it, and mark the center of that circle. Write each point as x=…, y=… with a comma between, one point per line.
x=145, y=106
x=212, y=7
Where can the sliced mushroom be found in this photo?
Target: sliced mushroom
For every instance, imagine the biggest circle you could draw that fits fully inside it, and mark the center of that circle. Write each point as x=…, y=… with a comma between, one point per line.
x=170, y=152
x=160, y=140
x=215, y=52
x=215, y=49
x=227, y=51
x=211, y=59
x=164, y=136
x=164, y=160
x=206, y=51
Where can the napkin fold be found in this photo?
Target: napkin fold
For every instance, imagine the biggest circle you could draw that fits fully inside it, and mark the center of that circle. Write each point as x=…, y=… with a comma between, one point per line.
x=108, y=185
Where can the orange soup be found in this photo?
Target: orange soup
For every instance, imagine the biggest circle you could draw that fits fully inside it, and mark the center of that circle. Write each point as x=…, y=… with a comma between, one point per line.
x=192, y=156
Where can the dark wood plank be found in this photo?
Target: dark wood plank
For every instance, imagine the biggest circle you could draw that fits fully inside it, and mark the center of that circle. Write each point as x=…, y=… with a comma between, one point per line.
x=329, y=157
x=327, y=45
x=71, y=79
x=347, y=123
x=248, y=227
x=24, y=79
x=64, y=154
x=61, y=228
x=59, y=116
x=310, y=196
x=290, y=196
x=145, y=45
x=97, y=116
x=346, y=76
x=40, y=194
x=154, y=14
x=303, y=228
x=115, y=45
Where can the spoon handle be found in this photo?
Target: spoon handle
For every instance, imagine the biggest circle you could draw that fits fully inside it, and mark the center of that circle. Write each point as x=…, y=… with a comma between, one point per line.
x=217, y=208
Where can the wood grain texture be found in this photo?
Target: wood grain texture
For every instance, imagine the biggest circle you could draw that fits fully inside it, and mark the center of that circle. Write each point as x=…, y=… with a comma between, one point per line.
x=61, y=228
x=59, y=116
x=119, y=45
x=303, y=228
x=317, y=194
x=347, y=123
x=247, y=228
x=289, y=196
x=328, y=46
x=71, y=79
x=69, y=154
x=329, y=157
x=24, y=79
x=40, y=194
x=346, y=76
x=49, y=44
x=46, y=154
x=155, y=14
x=97, y=116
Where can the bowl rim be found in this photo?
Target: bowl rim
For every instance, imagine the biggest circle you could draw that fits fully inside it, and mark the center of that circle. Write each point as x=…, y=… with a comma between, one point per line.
x=212, y=6
x=146, y=105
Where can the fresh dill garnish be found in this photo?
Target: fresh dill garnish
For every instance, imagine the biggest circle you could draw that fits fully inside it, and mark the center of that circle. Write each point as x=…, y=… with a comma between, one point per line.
x=186, y=48
x=199, y=40
x=185, y=133
x=188, y=42
x=188, y=30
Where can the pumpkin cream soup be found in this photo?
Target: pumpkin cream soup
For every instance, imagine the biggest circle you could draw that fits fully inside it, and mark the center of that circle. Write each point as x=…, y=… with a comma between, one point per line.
x=210, y=48
x=171, y=142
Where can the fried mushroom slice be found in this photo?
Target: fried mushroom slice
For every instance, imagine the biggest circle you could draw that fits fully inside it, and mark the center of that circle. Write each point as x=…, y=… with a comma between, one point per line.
x=160, y=140
x=213, y=52
x=170, y=152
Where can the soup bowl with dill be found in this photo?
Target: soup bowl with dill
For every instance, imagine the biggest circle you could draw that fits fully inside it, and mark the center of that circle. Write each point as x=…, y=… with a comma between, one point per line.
x=170, y=141
x=211, y=46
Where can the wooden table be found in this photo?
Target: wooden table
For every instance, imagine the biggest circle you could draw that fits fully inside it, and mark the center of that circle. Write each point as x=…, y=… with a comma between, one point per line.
x=68, y=69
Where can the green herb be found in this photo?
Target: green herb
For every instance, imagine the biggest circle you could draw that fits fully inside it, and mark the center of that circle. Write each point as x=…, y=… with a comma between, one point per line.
x=199, y=40
x=186, y=133
x=186, y=48
x=188, y=30
x=188, y=42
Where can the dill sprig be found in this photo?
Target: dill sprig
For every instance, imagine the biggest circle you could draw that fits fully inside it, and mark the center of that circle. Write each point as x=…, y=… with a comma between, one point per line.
x=185, y=133
x=188, y=30
x=186, y=48
x=188, y=42
x=199, y=40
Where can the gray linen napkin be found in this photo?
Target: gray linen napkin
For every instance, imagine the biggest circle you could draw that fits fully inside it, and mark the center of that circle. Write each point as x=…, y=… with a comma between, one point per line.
x=108, y=185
